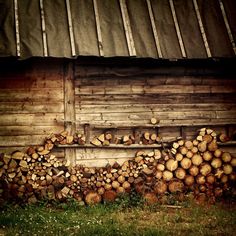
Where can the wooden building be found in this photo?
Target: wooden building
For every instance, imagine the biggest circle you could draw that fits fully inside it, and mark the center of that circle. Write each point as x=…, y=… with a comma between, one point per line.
x=96, y=65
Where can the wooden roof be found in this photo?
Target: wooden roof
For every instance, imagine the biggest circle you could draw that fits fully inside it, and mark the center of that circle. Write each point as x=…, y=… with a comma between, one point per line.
x=166, y=29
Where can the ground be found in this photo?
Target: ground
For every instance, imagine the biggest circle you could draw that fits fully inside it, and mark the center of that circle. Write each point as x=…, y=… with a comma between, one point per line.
x=121, y=218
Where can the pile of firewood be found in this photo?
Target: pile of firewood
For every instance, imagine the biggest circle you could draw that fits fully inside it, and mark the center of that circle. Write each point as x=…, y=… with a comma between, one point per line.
x=107, y=138
x=198, y=166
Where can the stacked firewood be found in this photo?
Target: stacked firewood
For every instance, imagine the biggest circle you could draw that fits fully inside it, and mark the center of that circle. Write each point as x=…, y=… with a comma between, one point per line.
x=107, y=138
x=198, y=166
x=64, y=138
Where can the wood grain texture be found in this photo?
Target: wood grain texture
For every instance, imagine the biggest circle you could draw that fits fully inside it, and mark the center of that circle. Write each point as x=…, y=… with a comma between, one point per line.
x=69, y=110
x=125, y=98
x=31, y=104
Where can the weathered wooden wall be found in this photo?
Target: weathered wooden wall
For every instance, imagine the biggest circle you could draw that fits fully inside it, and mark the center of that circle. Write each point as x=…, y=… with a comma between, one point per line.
x=31, y=103
x=39, y=97
x=129, y=97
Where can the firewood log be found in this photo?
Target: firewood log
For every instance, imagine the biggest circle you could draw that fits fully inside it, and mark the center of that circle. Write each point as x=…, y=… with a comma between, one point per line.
x=175, y=186
x=150, y=198
x=197, y=159
x=207, y=137
x=146, y=136
x=109, y=196
x=160, y=187
x=101, y=138
x=188, y=144
x=153, y=137
x=216, y=163
x=207, y=156
x=171, y=165
x=92, y=198
x=189, y=180
x=226, y=156
x=189, y=154
x=233, y=162
x=157, y=154
x=193, y=170
x=223, y=138
x=210, y=178
x=200, y=179
x=154, y=121
x=183, y=150
x=179, y=157
x=120, y=190
x=96, y=142
x=186, y=163
x=180, y=173
x=227, y=168
x=205, y=169
x=212, y=146
x=167, y=175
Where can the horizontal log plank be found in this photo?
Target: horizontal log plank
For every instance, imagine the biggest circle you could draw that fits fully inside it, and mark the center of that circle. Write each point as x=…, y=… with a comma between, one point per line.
x=23, y=140
x=37, y=119
x=154, y=89
x=38, y=82
x=154, y=80
x=165, y=115
x=31, y=107
x=87, y=109
x=8, y=95
x=30, y=130
x=183, y=98
x=163, y=123
x=115, y=146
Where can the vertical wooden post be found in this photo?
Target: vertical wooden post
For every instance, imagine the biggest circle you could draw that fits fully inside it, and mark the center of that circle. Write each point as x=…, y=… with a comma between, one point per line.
x=87, y=133
x=69, y=106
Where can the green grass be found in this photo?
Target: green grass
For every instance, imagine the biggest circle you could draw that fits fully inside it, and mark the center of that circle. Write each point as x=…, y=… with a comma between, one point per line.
x=117, y=219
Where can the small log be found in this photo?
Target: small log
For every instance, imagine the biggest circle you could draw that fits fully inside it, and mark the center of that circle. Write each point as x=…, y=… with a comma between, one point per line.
x=160, y=187
x=108, y=136
x=69, y=139
x=154, y=121
x=171, y=165
x=175, y=186
x=153, y=137
x=12, y=164
x=150, y=198
x=207, y=137
x=101, y=138
x=96, y=142
x=188, y=144
x=109, y=196
x=212, y=146
x=146, y=135
x=23, y=164
x=17, y=155
x=223, y=138
x=65, y=190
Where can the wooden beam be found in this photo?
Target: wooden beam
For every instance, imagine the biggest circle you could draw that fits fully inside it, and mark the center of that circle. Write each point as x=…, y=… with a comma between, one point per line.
x=231, y=38
x=115, y=146
x=98, y=28
x=69, y=103
x=154, y=29
x=71, y=33
x=204, y=38
x=17, y=31
x=45, y=46
x=181, y=43
x=127, y=27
